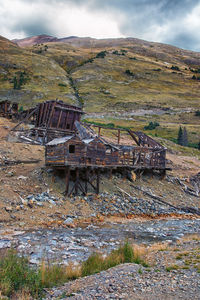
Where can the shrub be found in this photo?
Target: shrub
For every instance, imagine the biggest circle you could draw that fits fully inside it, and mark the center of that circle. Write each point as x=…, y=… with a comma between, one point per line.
x=197, y=113
x=129, y=73
x=16, y=274
x=18, y=278
x=62, y=84
x=176, y=68
x=19, y=79
x=116, y=52
x=151, y=126
x=21, y=108
x=96, y=263
x=101, y=54
x=196, y=77
x=182, y=137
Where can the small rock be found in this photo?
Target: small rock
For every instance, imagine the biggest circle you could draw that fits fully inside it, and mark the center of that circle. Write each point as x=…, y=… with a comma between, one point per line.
x=8, y=208
x=68, y=221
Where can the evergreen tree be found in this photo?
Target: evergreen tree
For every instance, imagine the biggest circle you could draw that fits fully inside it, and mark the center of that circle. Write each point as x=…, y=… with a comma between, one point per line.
x=21, y=79
x=199, y=145
x=185, y=137
x=15, y=83
x=180, y=136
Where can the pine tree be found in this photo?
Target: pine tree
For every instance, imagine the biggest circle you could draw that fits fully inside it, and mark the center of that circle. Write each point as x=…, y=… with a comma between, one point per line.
x=185, y=137
x=21, y=79
x=15, y=83
x=180, y=136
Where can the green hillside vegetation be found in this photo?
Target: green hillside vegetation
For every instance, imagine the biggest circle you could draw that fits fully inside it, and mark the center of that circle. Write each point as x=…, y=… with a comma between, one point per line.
x=106, y=76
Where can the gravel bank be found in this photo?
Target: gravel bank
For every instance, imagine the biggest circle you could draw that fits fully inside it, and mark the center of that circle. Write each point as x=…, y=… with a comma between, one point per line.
x=130, y=281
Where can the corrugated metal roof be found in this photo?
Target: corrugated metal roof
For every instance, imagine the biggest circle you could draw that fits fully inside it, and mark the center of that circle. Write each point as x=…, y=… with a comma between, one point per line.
x=59, y=140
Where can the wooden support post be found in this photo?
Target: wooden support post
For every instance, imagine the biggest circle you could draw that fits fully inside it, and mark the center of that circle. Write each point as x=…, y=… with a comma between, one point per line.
x=40, y=114
x=86, y=181
x=77, y=180
x=98, y=181
x=60, y=115
x=73, y=120
x=6, y=107
x=163, y=174
x=45, y=112
x=118, y=137
x=51, y=114
x=99, y=131
x=66, y=121
x=110, y=173
x=67, y=174
x=124, y=174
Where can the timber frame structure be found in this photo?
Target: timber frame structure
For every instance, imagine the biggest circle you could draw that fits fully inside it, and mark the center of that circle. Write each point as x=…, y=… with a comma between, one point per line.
x=86, y=154
x=83, y=150
x=51, y=119
x=8, y=109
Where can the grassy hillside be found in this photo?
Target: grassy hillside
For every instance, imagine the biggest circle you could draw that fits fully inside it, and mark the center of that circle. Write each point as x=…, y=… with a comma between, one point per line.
x=110, y=78
x=41, y=76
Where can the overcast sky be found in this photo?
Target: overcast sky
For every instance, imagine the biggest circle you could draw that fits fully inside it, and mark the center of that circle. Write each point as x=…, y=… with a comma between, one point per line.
x=175, y=22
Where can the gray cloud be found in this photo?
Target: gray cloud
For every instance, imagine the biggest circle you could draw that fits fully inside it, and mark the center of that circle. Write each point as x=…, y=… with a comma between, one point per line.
x=33, y=26
x=161, y=21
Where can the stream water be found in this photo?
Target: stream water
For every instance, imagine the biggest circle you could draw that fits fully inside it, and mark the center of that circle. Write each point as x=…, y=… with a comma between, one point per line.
x=77, y=244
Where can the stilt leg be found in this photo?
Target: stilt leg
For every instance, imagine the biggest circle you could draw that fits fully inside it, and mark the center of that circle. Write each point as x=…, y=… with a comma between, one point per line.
x=86, y=181
x=67, y=174
x=98, y=181
x=77, y=180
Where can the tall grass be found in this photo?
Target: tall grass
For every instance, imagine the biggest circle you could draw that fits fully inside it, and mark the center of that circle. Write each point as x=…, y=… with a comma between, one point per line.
x=16, y=274
x=96, y=262
x=18, y=278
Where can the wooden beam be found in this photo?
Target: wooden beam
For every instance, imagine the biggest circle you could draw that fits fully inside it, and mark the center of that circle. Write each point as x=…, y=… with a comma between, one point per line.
x=118, y=137
x=133, y=137
x=40, y=114
x=67, y=174
x=25, y=119
x=51, y=114
x=86, y=180
x=60, y=115
x=77, y=181
x=98, y=181
x=99, y=131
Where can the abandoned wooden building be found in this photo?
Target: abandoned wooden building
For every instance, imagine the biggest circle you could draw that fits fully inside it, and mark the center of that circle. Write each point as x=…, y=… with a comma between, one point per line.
x=84, y=155
x=52, y=119
x=8, y=109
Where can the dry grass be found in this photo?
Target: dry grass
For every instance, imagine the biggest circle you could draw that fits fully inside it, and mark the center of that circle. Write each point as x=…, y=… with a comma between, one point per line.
x=158, y=247
x=188, y=238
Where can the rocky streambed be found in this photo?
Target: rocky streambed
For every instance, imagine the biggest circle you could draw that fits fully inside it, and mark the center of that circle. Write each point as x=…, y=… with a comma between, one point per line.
x=76, y=244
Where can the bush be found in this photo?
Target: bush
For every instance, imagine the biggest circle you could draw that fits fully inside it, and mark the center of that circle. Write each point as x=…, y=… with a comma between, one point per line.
x=176, y=68
x=62, y=84
x=19, y=79
x=96, y=263
x=18, y=278
x=129, y=73
x=101, y=54
x=116, y=52
x=196, y=77
x=16, y=274
x=197, y=113
x=151, y=126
